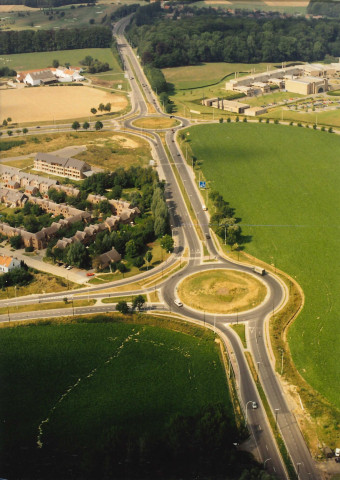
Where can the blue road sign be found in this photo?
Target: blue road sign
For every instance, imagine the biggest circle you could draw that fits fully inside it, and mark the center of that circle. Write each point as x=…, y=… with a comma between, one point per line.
x=202, y=184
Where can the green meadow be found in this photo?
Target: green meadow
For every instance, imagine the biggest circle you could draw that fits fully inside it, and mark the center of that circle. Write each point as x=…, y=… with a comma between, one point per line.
x=30, y=61
x=67, y=387
x=284, y=183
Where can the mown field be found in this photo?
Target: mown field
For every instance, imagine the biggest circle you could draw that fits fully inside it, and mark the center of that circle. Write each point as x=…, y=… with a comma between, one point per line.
x=284, y=183
x=285, y=6
x=69, y=387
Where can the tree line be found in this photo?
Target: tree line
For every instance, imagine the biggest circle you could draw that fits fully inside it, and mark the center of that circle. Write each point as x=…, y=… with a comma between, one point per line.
x=24, y=41
x=164, y=42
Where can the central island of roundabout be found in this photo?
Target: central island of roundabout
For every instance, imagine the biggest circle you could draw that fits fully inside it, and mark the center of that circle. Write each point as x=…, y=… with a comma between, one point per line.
x=222, y=291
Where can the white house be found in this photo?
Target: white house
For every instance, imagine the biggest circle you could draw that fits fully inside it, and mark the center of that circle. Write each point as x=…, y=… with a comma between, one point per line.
x=39, y=78
x=8, y=263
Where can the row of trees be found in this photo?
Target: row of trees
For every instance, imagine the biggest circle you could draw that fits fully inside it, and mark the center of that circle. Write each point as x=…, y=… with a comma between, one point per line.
x=329, y=8
x=23, y=41
x=223, y=221
x=94, y=65
x=215, y=38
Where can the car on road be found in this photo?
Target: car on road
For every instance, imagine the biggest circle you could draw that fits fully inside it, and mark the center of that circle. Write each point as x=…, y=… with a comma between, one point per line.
x=254, y=405
x=207, y=236
x=69, y=267
x=65, y=266
x=178, y=303
x=90, y=274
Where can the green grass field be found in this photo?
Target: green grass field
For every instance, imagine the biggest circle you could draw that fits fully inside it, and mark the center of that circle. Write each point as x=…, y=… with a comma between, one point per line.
x=68, y=385
x=284, y=183
x=208, y=73
x=28, y=61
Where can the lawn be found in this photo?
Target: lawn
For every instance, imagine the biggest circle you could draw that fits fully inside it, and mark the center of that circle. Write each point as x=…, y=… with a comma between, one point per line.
x=222, y=291
x=284, y=183
x=327, y=118
x=69, y=387
x=155, y=122
x=290, y=6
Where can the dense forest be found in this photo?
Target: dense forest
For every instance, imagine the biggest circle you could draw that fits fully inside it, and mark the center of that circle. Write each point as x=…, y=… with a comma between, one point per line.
x=190, y=40
x=330, y=8
x=24, y=41
x=43, y=3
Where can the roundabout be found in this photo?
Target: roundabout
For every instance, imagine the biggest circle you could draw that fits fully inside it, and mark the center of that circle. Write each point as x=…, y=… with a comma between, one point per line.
x=222, y=291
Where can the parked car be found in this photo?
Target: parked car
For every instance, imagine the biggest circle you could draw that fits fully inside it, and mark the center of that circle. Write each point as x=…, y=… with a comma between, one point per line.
x=90, y=274
x=69, y=267
x=254, y=405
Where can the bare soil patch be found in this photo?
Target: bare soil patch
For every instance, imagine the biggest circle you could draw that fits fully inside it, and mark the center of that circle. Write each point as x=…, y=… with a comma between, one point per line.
x=16, y=8
x=287, y=3
x=222, y=291
x=55, y=103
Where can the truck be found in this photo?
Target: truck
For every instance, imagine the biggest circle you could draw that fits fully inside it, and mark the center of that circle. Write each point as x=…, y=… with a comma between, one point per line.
x=204, y=207
x=259, y=270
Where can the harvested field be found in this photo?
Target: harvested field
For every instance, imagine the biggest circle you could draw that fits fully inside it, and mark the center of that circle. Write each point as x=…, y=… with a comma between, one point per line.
x=55, y=103
x=16, y=8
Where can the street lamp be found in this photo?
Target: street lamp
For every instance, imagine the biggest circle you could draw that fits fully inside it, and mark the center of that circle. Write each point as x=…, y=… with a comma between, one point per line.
x=281, y=349
x=276, y=412
x=298, y=468
x=264, y=463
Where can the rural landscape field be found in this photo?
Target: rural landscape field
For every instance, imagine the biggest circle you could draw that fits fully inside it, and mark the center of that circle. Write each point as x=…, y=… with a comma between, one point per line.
x=283, y=182
x=110, y=378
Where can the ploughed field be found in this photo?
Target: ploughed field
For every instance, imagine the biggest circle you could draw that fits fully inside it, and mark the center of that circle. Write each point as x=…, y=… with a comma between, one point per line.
x=69, y=389
x=284, y=183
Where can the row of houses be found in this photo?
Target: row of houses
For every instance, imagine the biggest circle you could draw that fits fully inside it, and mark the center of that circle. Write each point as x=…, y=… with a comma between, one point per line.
x=13, y=178
x=304, y=79
x=121, y=208
x=90, y=232
x=46, y=76
x=40, y=240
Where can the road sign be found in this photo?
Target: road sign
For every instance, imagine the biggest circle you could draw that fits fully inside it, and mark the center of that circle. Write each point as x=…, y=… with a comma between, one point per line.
x=202, y=184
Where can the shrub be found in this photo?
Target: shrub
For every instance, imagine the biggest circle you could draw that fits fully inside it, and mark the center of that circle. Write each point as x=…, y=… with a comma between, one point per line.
x=330, y=130
x=267, y=120
x=221, y=120
x=323, y=129
x=245, y=120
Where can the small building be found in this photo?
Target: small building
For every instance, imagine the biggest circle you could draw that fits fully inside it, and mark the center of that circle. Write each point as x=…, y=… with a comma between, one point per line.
x=234, y=107
x=255, y=111
x=209, y=101
x=8, y=263
x=109, y=257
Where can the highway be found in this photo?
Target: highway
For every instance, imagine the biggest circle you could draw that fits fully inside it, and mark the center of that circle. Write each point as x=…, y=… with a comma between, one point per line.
x=187, y=240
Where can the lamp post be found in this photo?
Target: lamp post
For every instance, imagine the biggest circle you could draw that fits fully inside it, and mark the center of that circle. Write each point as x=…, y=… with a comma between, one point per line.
x=276, y=412
x=281, y=349
x=298, y=468
x=264, y=463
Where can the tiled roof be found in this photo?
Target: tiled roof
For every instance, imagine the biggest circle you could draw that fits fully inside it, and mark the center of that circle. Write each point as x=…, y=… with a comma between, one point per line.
x=5, y=261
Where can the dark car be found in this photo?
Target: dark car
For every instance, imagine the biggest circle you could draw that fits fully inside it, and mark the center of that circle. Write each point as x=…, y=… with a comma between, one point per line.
x=207, y=236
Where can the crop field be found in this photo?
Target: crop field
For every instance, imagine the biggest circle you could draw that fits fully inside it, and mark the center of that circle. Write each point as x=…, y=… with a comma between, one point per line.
x=56, y=103
x=284, y=183
x=30, y=61
x=67, y=387
x=56, y=18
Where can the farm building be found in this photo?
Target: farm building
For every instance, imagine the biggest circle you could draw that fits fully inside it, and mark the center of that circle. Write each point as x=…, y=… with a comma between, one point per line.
x=63, y=167
x=8, y=263
x=44, y=77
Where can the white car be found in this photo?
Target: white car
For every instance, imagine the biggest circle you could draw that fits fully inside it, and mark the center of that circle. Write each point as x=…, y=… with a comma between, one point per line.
x=178, y=303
